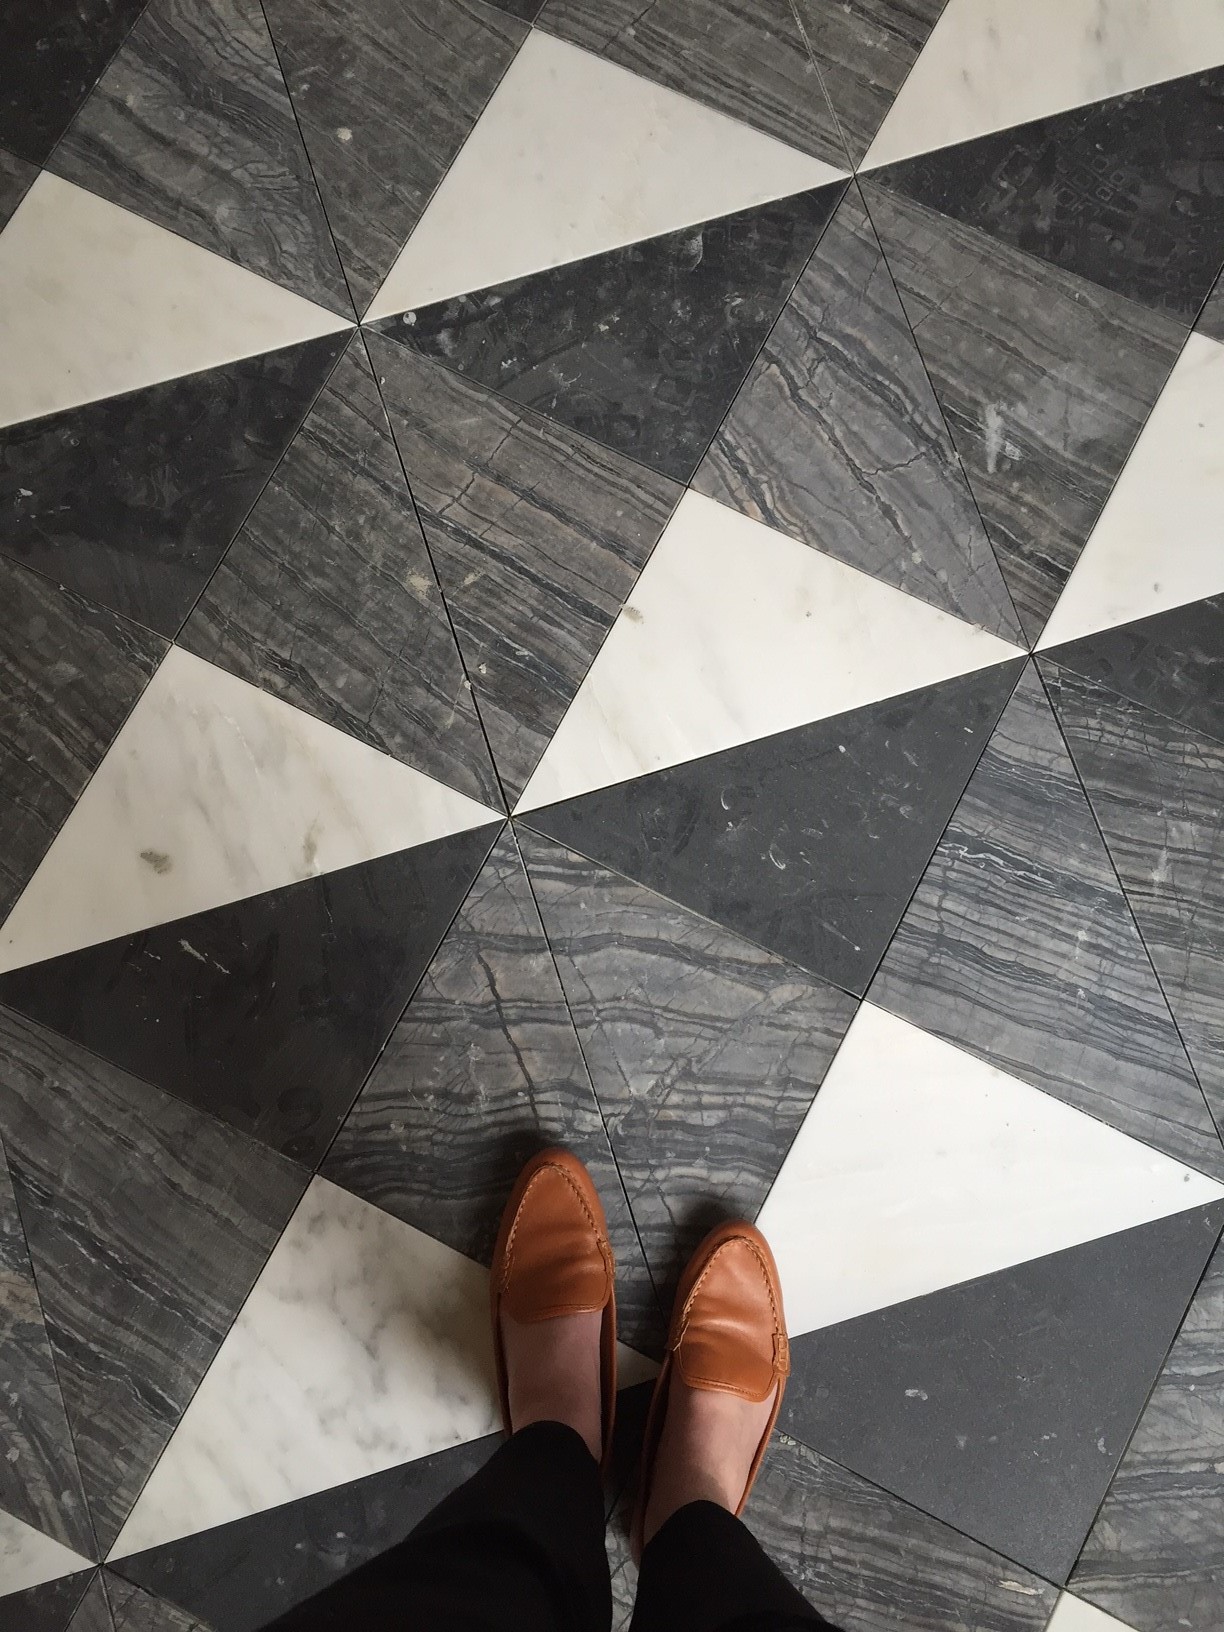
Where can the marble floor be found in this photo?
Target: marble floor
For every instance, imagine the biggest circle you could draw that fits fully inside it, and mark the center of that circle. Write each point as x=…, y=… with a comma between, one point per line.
x=643, y=575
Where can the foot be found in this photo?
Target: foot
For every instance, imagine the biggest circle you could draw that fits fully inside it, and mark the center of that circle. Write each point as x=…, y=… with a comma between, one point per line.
x=553, y=1371
x=706, y=1451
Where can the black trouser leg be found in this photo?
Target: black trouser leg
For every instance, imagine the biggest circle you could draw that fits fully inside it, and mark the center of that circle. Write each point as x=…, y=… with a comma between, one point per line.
x=704, y=1571
x=518, y=1548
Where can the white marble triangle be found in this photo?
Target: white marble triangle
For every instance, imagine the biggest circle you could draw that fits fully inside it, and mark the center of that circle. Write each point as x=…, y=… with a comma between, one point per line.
x=1159, y=541
x=920, y=1166
x=364, y=1344
x=28, y=1558
x=572, y=156
x=733, y=632
x=95, y=300
x=991, y=64
x=1074, y=1615
x=211, y=792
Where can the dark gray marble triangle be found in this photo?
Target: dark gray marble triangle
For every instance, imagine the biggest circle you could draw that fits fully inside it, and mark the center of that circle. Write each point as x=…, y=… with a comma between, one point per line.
x=267, y=1012
x=592, y=344
x=47, y=1608
x=132, y=501
x=864, y=50
x=1155, y=1557
x=327, y=598
x=836, y=437
x=147, y=1224
x=386, y=95
x=15, y=177
x=69, y=675
x=1155, y=788
x=53, y=52
x=1045, y=380
x=93, y=1613
x=1003, y=1405
x=1128, y=193
x=705, y=1051
x=1211, y=318
x=134, y=1610
x=191, y=126
x=809, y=842
x=1019, y=946
x=1172, y=662
x=537, y=534
x=438, y=1139
x=40, y=1482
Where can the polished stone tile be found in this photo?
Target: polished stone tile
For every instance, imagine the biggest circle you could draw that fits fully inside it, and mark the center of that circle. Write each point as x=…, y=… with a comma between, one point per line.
x=133, y=500
x=133, y=1610
x=809, y=842
x=28, y=1558
x=15, y=179
x=191, y=127
x=1211, y=318
x=45, y=1608
x=147, y=1223
x=1020, y=946
x=69, y=674
x=386, y=96
x=592, y=344
x=327, y=598
x=537, y=535
x=53, y=52
x=267, y=1012
x=705, y=1051
x=1044, y=378
x=837, y=439
x=1072, y=1614
x=1003, y=1405
x=865, y=51
x=93, y=1613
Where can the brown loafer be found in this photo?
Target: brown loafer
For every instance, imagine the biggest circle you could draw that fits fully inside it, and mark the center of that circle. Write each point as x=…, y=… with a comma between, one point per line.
x=553, y=1258
x=728, y=1334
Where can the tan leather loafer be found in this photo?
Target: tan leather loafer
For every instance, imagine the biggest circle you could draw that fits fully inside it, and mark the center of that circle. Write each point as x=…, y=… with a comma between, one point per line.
x=553, y=1258
x=728, y=1334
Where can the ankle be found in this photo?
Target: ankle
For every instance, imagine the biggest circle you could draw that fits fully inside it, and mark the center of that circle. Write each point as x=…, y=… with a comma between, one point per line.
x=553, y=1373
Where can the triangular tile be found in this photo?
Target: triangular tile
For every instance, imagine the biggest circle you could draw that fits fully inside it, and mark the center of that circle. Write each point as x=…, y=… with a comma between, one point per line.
x=327, y=598
x=54, y=50
x=46, y=1608
x=1211, y=318
x=132, y=500
x=69, y=674
x=537, y=534
x=93, y=1613
x=147, y=1223
x=439, y=1144
x=1157, y=543
x=403, y=86
x=1045, y=381
x=1152, y=231
x=809, y=842
x=735, y=631
x=920, y=1166
x=214, y=791
x=591, y=344
x=93, y=301
x=191, y=126
x=16, y=177
x=134, y=1610
x=575, y=156
x=270, y=1011
x=1073, y=1614
x=705, y=1051
x=836, y=437
x=990, y=64
x=28, y=1558
x=1019, y=946
x=1003, y=1406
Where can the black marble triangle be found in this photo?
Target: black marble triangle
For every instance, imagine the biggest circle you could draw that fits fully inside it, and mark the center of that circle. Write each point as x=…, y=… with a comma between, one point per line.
x=809, y=842
x=93, y=1613
x=593, y=345
x=1003, y=1405
x=15, y=178
x=135, y=1610
x=267, y=1012
x=46, y=1608
x=54, y=50
x=133, y=500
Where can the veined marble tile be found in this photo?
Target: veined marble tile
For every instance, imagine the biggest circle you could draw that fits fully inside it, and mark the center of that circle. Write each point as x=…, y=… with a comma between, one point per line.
x=993, y=63
x=49, y=1607
x=1073, y=1614
x=574, y=156
x=134, y=1610
x=15, y=179
x=735, y=631
x=28, y=1558
x=1158, y=543
x=214, y=791
x=93, y=1613
x=54, y=50
x=1211, y=318
x=95, y=300
x=920, y=1166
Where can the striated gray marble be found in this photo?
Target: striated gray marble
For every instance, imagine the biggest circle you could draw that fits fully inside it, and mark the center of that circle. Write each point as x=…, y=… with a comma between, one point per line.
x=387, y=93
x=134, y=1610
x=538, y=536
x=1019, y=946
x=54, y=50
x=483, y=1070
x=705, y=1051
x=1155, y=1557
x=1045, y=380
x=46, y=1608
x=93, y=1613
x=15, y=176
x=1211, y=318
x=147, y=1223
x=327, y=598
x=192, y=127
x=836, y=437
x=865, y=49
x=69, y=675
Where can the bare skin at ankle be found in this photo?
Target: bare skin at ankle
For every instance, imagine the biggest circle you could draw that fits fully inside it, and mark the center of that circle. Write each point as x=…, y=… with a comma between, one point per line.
x=553, y=1372
x=705, y=1452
